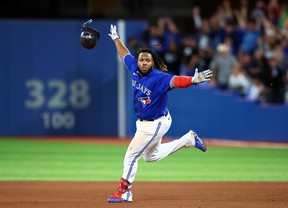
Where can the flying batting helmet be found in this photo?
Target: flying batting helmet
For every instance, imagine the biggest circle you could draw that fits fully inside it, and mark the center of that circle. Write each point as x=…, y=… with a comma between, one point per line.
x=89, y=37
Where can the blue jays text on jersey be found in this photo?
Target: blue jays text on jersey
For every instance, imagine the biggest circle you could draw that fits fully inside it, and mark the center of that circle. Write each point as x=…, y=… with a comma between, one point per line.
x=139, y=86
x=150, y=91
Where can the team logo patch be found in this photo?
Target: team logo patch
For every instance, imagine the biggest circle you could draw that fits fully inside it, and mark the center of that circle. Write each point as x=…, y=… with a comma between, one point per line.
x=144, y=101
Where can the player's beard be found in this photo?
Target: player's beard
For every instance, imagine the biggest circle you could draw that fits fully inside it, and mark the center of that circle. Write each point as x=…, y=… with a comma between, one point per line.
x=145, y=72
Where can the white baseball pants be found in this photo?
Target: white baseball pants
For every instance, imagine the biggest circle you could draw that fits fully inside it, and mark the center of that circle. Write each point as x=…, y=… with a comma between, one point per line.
x=147, y=143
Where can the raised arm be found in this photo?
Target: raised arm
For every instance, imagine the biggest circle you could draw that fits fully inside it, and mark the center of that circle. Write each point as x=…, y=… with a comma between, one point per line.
x=121, y=48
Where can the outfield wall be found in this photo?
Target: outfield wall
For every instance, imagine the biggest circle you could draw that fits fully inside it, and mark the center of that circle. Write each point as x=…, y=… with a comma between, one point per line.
x=50, y=85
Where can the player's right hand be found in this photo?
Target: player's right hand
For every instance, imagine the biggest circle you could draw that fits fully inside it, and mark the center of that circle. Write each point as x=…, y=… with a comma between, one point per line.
x=113, y=32
x=202, y=76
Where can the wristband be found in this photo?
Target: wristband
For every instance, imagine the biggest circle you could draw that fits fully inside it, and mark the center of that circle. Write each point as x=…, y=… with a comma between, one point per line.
x=182, y=81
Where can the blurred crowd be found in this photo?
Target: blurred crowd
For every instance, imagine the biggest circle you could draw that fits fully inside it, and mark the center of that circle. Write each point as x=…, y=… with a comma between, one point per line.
x=247, y=49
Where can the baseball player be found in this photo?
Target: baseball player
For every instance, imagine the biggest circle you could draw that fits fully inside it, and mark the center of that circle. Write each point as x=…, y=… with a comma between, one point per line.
x=150, y=87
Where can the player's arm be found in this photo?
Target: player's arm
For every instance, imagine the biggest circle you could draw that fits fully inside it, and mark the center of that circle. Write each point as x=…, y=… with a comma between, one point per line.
x=121, y=48
x=186, y=81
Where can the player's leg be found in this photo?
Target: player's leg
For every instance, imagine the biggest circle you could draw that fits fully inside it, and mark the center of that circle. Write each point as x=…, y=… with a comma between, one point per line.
x=146, y=135
x=161, y=150
x=131, y=158
x=133, y=154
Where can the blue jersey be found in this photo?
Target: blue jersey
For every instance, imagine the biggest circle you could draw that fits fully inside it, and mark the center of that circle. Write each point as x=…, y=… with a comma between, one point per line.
x=150, y=91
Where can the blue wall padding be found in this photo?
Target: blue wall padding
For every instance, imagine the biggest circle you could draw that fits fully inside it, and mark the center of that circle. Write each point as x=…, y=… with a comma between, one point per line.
x=46, y=56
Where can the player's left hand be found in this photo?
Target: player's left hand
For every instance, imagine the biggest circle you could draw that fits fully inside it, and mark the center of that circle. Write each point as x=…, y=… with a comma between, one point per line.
x=202, y=76
x=113, y=32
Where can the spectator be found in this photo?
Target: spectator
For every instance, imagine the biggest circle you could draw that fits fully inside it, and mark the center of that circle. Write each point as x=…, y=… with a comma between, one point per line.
x=259, y=11
x=214, y=33
x=284, y=42
x=283, y=16
x=190, y=48
x=173, y=58
x=273, y=79
x=169, y=31
x=251, y=34
x=224, y=11
x=197, y=18
x=203, y=59
x=273, y=11
x=187, y=69
x=239, y=81
x=152, y=36
x=200, y=61
x=203, y=35
x=282, y=61
x=133, y=44
x=284, y=29
x=256, y=64
x=228, y=32
x=243, y=10
x=222, y=63
x=271, y=38
x=283, y=66
x=256, y=91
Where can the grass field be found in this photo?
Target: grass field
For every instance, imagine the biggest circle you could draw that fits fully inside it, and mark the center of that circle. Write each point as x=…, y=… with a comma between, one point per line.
x=29, y=160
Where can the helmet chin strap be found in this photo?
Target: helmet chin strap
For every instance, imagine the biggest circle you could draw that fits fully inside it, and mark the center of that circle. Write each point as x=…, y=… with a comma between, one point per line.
x=87, y=22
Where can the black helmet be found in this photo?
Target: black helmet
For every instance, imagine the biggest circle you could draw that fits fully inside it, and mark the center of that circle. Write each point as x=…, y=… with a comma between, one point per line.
x=89, y=37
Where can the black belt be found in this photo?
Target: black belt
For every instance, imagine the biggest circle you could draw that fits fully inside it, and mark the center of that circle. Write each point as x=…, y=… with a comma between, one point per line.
x=153, y=119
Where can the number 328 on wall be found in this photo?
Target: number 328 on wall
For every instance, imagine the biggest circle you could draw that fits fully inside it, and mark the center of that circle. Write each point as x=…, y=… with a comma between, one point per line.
x=61, y=95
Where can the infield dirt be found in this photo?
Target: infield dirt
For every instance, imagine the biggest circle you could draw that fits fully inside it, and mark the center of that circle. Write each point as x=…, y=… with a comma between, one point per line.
x=146, y=194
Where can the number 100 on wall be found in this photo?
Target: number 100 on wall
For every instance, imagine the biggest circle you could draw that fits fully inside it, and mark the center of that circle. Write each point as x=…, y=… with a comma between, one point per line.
x=58, y=120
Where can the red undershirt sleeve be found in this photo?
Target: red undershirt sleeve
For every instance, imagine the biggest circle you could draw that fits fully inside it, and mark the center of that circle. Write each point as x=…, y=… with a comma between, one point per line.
x=182, y=81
